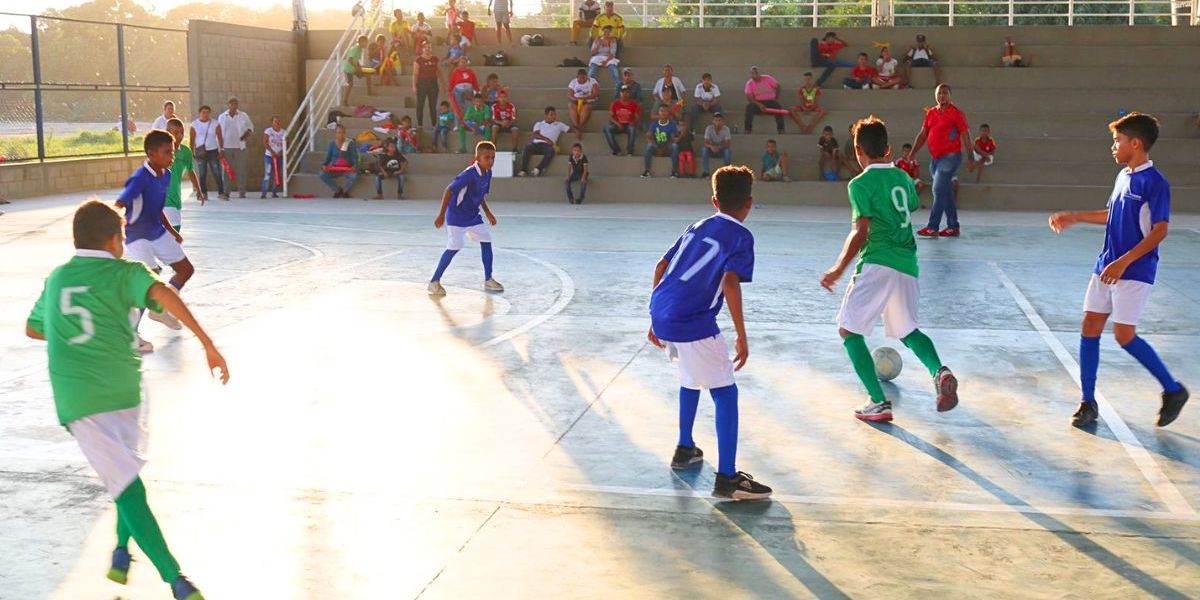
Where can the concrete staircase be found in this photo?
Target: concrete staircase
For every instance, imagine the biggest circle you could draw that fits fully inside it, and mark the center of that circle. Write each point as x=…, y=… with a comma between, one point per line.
x=1049, y=120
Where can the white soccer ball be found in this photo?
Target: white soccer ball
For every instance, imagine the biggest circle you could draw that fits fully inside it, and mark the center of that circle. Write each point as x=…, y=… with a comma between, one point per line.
x=393, y=165
x=887, y=363
x=525, y=39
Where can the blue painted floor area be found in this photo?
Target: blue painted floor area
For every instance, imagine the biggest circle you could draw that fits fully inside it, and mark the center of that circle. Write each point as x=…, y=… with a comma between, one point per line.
x=374, y=442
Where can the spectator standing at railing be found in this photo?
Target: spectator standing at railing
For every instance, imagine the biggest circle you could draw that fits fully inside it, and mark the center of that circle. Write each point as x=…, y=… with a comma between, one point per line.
x=588, y=11
x=610, y=19
x=233, y=129
x=921, y=55
x=206, y=150
x=167, y=114
x=824, y=54
x=427, y=72
x=762, y=92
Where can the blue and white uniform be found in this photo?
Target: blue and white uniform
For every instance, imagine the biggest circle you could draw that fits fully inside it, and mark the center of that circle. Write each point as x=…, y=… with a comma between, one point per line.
x=146, y=240
x=684, y=306
x=463, y=218
x=1141, y=199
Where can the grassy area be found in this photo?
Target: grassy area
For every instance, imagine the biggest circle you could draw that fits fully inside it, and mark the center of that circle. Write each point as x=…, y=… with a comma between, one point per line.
x=81, y=144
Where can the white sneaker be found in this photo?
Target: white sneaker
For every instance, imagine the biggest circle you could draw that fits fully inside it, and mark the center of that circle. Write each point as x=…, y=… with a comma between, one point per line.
x=435, y=289
x=492, y=285
x=165, y=318
x=535, y=172
x=143, y=346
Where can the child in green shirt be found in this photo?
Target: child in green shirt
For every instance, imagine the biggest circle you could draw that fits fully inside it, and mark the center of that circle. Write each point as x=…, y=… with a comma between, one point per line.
x=478, y=120
x=84, y=315
x=182, y=164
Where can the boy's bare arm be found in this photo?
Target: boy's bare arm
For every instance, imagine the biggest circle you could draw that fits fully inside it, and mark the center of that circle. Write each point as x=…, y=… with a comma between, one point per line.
x=854, y=242
x=170, y=300
x=440, y=219
x=196, y=187
x=659, y=270
x=35, y=334
x=487, y=211
x=731, y=286
x=1113, y=272
x=169, y=227
x=1060, y=221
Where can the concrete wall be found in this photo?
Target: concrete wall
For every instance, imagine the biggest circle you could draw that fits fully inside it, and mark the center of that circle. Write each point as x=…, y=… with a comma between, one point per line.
x=24, y=180
x=261, y=67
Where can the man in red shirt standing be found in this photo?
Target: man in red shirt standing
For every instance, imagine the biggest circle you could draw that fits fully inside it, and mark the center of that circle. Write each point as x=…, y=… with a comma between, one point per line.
x=945, y=128
x=622, y=118
x=824, y=54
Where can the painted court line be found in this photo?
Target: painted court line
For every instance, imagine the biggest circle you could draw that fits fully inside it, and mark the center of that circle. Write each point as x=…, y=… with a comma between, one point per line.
x=837, y=501
x=565, y=294
x=1162, y=485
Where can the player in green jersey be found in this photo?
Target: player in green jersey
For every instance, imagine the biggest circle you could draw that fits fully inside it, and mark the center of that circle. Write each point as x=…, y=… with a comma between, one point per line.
x=183, y=163
x=86, y=315
x=882, y=199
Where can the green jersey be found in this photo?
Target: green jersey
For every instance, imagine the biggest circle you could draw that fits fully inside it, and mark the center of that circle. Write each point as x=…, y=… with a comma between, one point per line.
x=86, y=313
x=477, y=116
x=183, y=164
x=888, y=196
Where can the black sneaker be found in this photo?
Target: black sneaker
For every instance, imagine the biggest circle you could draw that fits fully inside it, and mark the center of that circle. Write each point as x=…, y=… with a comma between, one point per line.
x=1086, y=414
x=645, y=174
x=686, y=457
x=740, y=487
x=1172, y=403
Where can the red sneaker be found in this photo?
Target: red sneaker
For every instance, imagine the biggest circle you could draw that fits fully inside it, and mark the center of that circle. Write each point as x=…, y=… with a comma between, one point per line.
x=949, y=232
x=927, y=232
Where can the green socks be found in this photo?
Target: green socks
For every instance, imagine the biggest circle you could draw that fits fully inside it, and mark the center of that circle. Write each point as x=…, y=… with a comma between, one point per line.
x=922, y=346
x=134, y=518
x=864, y=365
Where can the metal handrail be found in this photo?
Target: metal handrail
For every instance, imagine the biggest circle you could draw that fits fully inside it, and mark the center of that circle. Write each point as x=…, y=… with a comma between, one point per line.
x=323, y=93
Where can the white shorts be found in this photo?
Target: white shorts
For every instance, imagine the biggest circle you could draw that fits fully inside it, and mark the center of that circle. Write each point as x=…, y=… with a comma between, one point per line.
x=878, y=290
x=1125, y=300
x=114, y=443
x=457, y=235
x=991, y=158
x=163, y=250
x=174, y=216
x=703, y=364
x=775, y=171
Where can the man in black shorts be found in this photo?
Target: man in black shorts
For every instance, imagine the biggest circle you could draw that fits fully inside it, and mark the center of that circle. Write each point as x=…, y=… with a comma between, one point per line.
x=921, y=55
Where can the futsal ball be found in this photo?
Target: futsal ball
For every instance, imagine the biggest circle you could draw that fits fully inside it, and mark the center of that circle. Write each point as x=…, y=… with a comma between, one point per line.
x=887, y=363
x=525, y=39
x=393, y=165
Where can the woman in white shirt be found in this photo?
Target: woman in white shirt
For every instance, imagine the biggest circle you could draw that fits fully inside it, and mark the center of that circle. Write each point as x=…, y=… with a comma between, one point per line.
x=203, y=141
x=604, y=55
x=582, y=92
x=885, y=69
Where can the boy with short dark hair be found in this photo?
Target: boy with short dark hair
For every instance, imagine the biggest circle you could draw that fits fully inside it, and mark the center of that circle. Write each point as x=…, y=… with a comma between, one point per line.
x=910, y=166
x=83, y=315
x=885, y=284
x=462, y=217
x=390, y=164
x=477, y=120
x=577, y=171
x=445, y=124
x=847, y=156
x=1135, y=224
x=810, y=93
x=661, y=141
x=149, y=236
x=774, y=164
x=706, y=266
x=984, y=150
x=183, y=164
x=862, y=75
x=831, y=159
x=504, y=119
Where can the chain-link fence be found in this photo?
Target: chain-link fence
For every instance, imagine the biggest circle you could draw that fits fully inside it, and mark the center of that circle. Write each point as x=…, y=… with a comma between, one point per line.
x=72, y=88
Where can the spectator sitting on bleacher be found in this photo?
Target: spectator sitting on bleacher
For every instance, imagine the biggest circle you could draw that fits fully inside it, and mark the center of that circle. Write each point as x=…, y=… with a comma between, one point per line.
x=610, y=19
x=623, y=116
x=831, y=156
x=848, y=157
x=673, y=104
x=341, y=160
x=717, y=142
x=774, y=164
x=545, y=137
x=588, y=11
x=443, y=126
x=708, y=99
x=504, y=119
x=604, y=55
x=390, y=164
x=1011, y=57
x=454, y=49
x=477, y=120
x=687, y=155
x=668, y=78
x=635, y=88
x=582, y=93
x=662, y=140
x=809, y=94
x=885, y=71
x=762, y=92
x=860, y=78
x=407, y=135
x=910, y=166
x=400, y=29
x=921, y=55
x=577, y=172
x=464, y=84
x=491, y=89
x=466, y=29
x=984, y=151
x=422, y=33
x=824, y=54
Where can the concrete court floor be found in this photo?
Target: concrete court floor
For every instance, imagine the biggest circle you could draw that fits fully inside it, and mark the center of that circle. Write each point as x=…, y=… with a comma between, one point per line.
x=374, y=443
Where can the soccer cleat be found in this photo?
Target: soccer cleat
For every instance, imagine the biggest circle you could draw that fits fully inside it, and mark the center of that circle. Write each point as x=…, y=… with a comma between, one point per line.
x=874, y=411
x=947, y=389
x=435, y=289
x=143, y=346
x=166, y=319
x=492, y=285
x=927, y=232
x=119, y=571
x=741, y=486
x=1172, y=403
x=183, y=589
x=1085, y=415
x=686, y=457
x=949, y=232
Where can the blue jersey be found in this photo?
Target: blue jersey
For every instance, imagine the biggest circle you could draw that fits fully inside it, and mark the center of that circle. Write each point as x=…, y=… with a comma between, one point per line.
x=664, y=134
x=467, y=193
x=1140, y=200
x=684, y=306
x=145, y=195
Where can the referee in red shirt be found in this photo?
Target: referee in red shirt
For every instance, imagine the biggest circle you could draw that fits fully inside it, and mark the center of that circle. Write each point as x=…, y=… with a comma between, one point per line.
x=945, y=128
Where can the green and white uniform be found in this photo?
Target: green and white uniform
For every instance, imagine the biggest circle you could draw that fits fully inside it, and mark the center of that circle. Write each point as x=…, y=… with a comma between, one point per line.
x=885, y=279
x=182, y=166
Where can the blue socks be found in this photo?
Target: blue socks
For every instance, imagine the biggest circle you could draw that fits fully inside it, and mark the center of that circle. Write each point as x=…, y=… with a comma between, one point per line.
x=1139, y=349
x=726, y=400
x=444, y=262
x=485, y=249
x=178, y=286
x=689, y=401
x=1089, y=364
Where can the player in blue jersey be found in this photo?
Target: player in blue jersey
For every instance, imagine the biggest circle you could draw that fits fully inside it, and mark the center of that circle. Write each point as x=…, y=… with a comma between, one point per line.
x=460, y=213
x=707, y=264
x=1135, y=225
x=149, y=236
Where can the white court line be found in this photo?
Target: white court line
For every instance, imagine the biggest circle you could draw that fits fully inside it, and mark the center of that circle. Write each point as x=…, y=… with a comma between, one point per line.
x=1162, y=485
x=565, y=294
x=902, y=504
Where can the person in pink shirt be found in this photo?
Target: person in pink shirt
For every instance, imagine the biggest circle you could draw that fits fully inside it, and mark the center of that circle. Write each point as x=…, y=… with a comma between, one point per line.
x=762, y=94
